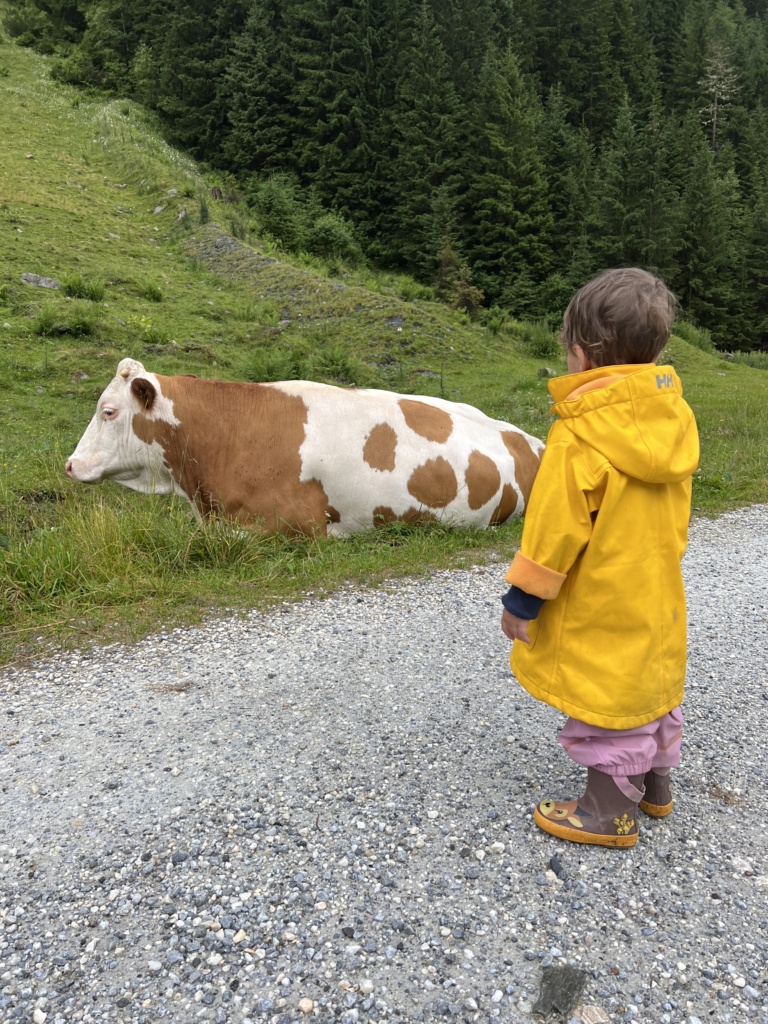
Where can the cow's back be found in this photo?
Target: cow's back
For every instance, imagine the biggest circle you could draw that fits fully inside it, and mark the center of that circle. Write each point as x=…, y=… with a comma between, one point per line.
x=381, y=456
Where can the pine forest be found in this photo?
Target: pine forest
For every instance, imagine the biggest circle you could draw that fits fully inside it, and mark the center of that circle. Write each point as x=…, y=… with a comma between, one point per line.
x=506, y=148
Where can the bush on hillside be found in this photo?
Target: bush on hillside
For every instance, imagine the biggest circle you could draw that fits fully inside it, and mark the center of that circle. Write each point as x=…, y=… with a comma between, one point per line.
x=538, y=340
x=295, y=219
x=698, y=336
x=757, y=360
x=495, y=319
x=412, y=291
x=277, y=203
x=467, y=296
x=29, y=26
x=77, y=69
x=332, y=238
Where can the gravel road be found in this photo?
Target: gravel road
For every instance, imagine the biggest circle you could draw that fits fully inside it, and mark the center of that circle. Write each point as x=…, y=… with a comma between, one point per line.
x=324, y=814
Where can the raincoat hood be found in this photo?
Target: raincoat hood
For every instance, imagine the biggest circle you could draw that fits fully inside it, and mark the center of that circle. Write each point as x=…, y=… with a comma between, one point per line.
x=633, y=415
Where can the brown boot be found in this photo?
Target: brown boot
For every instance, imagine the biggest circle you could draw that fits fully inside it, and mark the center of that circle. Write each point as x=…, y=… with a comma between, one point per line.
x=658, y=796
x=604, y=816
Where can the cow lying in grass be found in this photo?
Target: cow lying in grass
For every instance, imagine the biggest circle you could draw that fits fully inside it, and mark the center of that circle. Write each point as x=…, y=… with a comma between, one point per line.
x=301, y=457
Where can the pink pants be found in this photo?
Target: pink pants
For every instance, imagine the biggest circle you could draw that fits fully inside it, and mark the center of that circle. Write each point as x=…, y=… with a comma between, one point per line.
x=622, y=752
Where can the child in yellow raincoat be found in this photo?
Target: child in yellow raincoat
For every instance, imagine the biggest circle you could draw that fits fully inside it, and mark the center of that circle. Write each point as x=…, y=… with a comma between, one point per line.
x=596, y=606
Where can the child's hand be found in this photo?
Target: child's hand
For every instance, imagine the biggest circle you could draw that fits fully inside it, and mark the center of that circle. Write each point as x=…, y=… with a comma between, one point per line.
x=515, y=628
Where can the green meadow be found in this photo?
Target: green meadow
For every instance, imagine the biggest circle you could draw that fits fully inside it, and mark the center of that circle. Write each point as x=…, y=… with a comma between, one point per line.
x=151, y=266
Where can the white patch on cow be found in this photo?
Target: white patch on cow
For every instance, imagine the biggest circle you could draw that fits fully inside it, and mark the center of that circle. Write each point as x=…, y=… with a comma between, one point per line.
x=110, y=450
x=338, y=423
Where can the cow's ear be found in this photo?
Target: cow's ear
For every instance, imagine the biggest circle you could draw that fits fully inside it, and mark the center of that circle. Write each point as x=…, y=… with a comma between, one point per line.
x=144, y=390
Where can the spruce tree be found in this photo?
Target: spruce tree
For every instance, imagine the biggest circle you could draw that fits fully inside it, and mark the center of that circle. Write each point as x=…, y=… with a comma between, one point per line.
x=467, y=31
x=569, y=170
x=114, y=32
x=424, y=137
x=507, y=223
x=191, y=57
x=619, y=191
x=754, y=285
x=662, y=20
x=262, y=135
x=689, y=50
x=711, y=251
x=336, y=100
x=661, y=197
x=580, y=48
x=636, y=213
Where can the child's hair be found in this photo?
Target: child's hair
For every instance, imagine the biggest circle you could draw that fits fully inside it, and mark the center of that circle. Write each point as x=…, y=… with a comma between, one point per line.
x=620, y=316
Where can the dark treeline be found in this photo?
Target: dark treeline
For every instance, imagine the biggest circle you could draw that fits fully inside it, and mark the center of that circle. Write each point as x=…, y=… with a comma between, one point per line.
x=527, y=143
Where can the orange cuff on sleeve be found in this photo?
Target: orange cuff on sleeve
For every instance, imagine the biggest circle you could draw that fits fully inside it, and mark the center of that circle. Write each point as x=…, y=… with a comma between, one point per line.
x=534, y=578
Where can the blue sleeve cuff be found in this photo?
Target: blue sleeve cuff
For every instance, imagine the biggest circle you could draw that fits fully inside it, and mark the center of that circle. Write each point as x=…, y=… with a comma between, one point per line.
x=524, y=606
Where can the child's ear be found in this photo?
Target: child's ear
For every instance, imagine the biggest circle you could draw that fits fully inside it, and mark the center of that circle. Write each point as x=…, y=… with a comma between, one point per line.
x=583, y=360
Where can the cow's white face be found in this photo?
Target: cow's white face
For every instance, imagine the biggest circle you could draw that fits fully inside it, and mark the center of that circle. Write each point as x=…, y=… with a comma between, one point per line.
x=110, y=450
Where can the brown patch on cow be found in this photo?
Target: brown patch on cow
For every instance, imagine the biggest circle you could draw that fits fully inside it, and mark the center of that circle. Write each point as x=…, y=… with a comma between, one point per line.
x=506, y=506
x=235, y=453
x=432, y=423
x=379, y=448
x=434, y=483
x=383, y=515
x=483, y=479
x=526, y=462
x=332, y=515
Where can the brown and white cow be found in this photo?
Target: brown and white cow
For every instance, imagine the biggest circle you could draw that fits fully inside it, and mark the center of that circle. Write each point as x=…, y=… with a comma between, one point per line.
x=304, y=457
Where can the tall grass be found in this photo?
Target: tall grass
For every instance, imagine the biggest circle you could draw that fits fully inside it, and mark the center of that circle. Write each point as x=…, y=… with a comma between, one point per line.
x=86, y=561
x=757, y=360
x=75, y=286
x=149, y=290
x=75, y=319
x=96, y=553
x=137, y=153
x=258, y=311
x=308, y=359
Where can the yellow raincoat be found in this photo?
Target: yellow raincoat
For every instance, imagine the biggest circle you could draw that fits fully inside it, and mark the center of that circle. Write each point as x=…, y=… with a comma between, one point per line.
x=605, y=531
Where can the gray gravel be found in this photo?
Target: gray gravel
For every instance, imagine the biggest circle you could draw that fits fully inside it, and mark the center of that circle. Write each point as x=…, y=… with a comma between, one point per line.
x=324, y=814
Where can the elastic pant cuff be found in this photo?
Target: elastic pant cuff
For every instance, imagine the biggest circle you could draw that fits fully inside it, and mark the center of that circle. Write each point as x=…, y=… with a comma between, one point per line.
x=619, y=770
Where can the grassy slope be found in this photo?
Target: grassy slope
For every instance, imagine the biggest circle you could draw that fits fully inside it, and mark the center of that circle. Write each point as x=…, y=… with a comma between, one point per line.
x=79, y=183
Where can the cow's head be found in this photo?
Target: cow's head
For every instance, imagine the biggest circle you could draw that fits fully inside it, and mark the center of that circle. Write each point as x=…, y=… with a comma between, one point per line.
x=110, y=448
